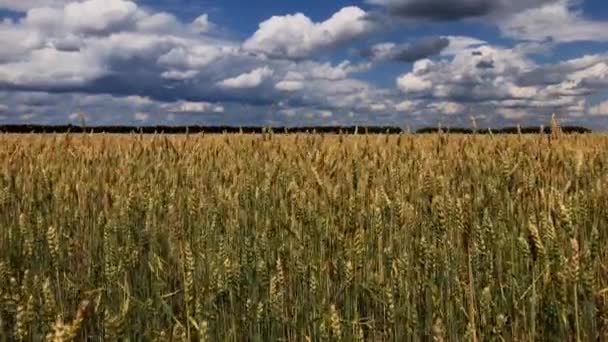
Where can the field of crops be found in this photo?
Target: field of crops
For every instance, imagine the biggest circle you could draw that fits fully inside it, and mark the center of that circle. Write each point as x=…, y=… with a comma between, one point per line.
x=303, y=238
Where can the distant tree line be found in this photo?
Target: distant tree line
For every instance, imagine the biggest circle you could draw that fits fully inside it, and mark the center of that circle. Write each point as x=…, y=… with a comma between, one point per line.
x=506, y=130
x=26, y=129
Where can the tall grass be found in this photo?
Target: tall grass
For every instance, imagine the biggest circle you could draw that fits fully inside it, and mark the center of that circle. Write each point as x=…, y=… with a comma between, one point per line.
x=303, y=238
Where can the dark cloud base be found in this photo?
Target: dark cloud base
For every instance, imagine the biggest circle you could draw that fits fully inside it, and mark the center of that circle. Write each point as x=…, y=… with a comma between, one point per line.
x=441, y=10
x=453, y=10
x=409, y=53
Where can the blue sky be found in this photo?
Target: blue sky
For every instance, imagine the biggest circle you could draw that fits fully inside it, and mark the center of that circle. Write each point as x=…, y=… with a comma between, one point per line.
x=377, y=62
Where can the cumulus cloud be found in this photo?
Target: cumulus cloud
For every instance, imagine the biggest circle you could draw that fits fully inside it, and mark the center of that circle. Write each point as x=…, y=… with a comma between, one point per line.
x=79, y=117
x=26, y=118
x=25, y=5
x=329, y=72
x=504, y=81
x=62, y=68
x=193, y=107
x=310, y=116
x=406, y=106
x=141, y=116
x=378, y=107
x=289, y=85
x=201, y=24
x=413, y=83
x=186, y=61
x=513, y=113
x=89, y=17
x=460, y=43
x=601, y=109
x=125, y=58
x=352, y=95
x=119, y=48
x=448, y=108
x=447, y=10
x=461, y=79
x=560, y=21
x=99, y=16
x=576, y=70
x=139, y=101
x=248, y=80
x=158, y=23
x=325, y=113
x=307, y=72
x=164, y=60
x=296, y=36
x=71, y=46
x=421, y=49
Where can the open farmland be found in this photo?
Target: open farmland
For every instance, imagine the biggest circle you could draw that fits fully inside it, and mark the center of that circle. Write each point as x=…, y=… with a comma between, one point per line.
x=303, y=237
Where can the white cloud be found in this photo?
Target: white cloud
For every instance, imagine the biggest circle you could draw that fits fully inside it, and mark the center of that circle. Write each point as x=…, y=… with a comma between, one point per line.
x=503, y=81
x=306, y=113
x=192, y=58
x=378, y=107
x=21, y=41
x=422, y=66
x=152, y=56
x=325, y=113
x=176, y=75
x=597, y=69
x=248, y=80
x=157, y=23
x=342, y=71
x=157, y=65
x=63, y=69
x=27, y=117
x=201, y=24
x=522, y=92
x=79, y=117
x=24, y=5
x=412, y=83
x=448, y=108
x=141, y=116
x=560, y=21
x=139, y=101
x=193, y=107
x=289, y=86
x=88, y=17
x=512, y=114
x=406, y=106
x=97, y=16
x=460, y=43
x=601, y=109
x=298, y=75
x=475, y=73
x=296, y=36
x=382, y=51
x=81, y=42
x=291, y=112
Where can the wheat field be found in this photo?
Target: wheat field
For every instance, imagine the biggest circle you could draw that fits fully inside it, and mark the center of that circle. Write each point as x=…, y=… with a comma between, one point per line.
x=303, y=238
